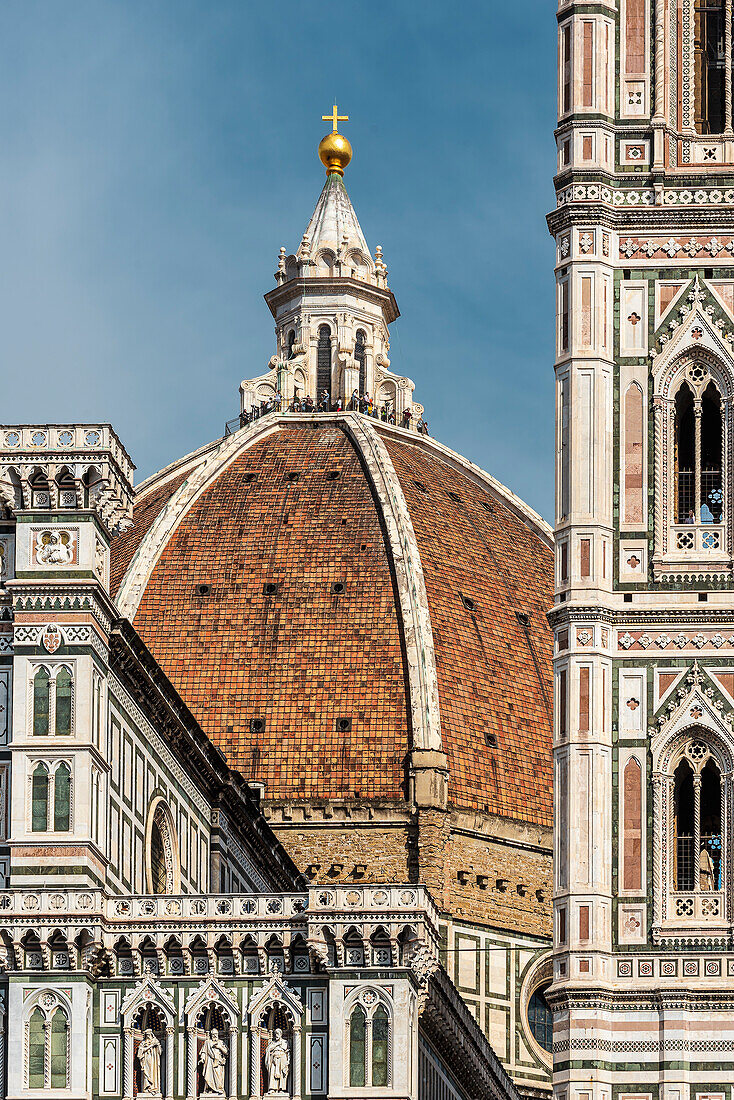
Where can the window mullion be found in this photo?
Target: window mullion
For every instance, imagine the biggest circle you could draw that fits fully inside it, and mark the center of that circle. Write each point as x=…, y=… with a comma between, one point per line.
x=724, y=828
x=368, y=1052
x=697, y=831
x=728, y=64
x=52, y=706
x=697, y=409
x=47, y=1052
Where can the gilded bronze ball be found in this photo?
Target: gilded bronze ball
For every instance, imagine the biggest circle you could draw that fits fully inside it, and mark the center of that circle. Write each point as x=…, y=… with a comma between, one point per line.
x=335, y=153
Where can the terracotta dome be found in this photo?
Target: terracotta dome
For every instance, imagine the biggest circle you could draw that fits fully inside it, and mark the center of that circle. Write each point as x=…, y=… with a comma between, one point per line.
x=327, y=592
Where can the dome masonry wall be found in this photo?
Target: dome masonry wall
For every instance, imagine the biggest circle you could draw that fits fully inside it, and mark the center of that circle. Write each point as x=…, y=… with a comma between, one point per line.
x=437, y=690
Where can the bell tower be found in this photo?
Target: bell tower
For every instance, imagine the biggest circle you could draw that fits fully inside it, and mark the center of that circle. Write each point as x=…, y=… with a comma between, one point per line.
x=644, y=605
x=332, y=307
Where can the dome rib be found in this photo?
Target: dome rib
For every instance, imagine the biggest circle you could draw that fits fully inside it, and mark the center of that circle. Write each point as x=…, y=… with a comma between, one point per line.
x=416, y=619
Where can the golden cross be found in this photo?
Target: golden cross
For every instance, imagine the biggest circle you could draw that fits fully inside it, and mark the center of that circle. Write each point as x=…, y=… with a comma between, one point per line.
x=333, y=118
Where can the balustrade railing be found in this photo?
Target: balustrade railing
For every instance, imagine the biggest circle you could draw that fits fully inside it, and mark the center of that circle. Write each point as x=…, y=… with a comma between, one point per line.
x=413, y=902
x=697, y=906
x=697, y=538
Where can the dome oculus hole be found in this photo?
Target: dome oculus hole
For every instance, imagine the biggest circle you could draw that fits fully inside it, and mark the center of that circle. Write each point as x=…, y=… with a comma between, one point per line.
x=343, y=725
x=202, y=590
x=338, y=587
x=270, y=588
x=257, y=725
x=469, y=603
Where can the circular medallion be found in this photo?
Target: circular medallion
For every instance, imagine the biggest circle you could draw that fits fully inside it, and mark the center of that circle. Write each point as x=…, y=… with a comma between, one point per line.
x=12, y=439
x=91, y=439
x=39, y=439
x=66, y=438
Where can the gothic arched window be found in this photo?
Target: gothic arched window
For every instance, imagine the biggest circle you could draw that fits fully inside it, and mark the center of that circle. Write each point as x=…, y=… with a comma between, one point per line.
x=710, y=60
x=698, y=451
x=157, y=859
x=62, y=798
x=380, y=1046
x=51, y=798
x=361, y=359
x=58, y=1050
x=697, y=799
x=323, y=363
x=36, y=1050
x=41, y=703
x=39, y=799
x=162, y=854
x=369, y=1041
x=63, y=701
x=47, y=1049
x=685, y=455
x=357, y=1048
x=710, y=494
x=291, y=342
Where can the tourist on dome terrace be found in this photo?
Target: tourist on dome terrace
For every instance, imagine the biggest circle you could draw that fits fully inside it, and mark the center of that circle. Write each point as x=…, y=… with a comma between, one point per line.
x=363, y=404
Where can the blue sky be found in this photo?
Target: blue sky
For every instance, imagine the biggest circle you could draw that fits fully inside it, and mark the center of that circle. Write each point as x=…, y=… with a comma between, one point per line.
x=154, y=156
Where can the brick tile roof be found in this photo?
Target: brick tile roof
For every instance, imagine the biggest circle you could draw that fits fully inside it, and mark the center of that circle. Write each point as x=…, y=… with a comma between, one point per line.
x=494, y=677
x=304, y=657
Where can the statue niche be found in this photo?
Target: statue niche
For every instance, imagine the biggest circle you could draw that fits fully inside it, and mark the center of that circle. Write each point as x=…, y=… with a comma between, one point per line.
x=149, y=1037
x=212, y=1052
x=276, y=1044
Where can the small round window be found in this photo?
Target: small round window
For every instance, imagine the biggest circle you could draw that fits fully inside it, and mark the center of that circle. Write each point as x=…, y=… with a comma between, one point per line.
x=540, y=1019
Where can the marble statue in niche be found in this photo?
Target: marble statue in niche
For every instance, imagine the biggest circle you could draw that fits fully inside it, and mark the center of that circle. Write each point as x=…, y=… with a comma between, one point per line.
x=213, y=1059
x=149, y=1057
x=277, y=1064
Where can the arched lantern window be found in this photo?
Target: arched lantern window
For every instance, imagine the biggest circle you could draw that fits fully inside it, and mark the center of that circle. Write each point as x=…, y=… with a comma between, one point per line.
x=360, y=358
x=323, y=362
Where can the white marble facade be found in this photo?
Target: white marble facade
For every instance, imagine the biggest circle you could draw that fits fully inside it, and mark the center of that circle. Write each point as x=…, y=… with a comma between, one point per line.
x=644, y=611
